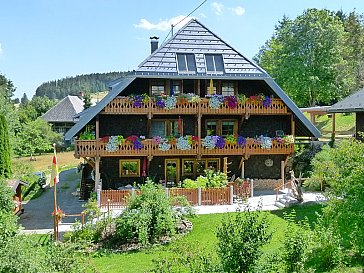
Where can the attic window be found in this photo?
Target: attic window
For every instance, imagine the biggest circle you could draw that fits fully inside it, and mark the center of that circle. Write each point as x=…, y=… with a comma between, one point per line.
x=186, y=63
x=214, y=63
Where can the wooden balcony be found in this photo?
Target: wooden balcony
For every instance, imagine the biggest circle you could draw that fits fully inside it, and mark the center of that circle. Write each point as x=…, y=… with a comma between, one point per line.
x=122, y=105
x=92, y=148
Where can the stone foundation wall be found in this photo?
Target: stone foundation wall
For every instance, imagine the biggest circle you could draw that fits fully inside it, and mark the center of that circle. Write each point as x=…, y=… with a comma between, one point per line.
x=267, y=184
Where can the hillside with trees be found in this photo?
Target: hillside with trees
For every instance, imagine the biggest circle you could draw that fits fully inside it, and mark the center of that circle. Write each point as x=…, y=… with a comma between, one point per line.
x=89, y=83
x=317, y=58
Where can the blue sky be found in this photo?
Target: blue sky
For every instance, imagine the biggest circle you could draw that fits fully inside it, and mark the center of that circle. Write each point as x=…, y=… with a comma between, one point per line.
x=43, y=40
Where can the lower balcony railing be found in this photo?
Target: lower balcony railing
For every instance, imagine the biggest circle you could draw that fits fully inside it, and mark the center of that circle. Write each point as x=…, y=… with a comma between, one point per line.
x=92, y=148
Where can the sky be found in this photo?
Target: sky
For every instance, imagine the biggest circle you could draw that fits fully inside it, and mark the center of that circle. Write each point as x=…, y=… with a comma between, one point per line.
x=45, y=40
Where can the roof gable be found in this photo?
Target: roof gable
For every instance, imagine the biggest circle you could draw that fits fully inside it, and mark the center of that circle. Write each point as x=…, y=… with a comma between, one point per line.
x=194, y=38
x=64, y=110
x=352, y=103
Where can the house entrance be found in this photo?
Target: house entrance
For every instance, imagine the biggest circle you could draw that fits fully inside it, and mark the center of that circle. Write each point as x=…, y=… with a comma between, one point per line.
x=172, y=171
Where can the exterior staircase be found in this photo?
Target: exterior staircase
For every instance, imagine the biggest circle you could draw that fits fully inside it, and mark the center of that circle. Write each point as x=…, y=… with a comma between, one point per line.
x=286, y=200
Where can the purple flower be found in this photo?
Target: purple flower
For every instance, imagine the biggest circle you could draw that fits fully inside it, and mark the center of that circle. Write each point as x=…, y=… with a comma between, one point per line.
x=160, y=103
x=241, y=141
x=220, y=142
x=138, y=145
x=232, y=101
x=137, y=104
x=266, y=102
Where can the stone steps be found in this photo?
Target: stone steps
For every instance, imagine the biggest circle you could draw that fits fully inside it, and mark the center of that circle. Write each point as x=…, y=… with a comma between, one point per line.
x=286, y=201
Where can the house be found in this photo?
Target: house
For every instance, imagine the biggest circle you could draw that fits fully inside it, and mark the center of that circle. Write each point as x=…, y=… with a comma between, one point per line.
x=15, y=186
x=352, y=104
x=194, y=103
x=61, y=116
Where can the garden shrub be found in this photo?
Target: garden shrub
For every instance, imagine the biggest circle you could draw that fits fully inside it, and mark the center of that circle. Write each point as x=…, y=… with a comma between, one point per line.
x=296, y=243
x=211, y=179
x=148, y=216
x=240, y=239
x=341, y=169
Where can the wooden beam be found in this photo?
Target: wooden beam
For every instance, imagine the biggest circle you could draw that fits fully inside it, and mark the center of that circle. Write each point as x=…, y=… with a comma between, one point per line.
x=333, y=132
x=293, y=126
x=97, y=173
x=97, y=135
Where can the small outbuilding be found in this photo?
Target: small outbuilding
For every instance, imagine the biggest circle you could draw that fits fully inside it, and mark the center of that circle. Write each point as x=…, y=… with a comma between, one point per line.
x=15, y=186
x=352, y=104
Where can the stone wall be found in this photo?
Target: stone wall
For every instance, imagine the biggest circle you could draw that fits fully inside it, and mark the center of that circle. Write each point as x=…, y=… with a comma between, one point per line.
x=266, y=184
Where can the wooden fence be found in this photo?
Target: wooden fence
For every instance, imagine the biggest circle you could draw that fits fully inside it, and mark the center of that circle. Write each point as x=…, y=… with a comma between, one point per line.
x=211, y=196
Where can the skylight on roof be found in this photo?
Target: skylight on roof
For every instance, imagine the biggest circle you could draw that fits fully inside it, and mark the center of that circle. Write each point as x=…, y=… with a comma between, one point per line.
x=214, y=63
x=186, y=63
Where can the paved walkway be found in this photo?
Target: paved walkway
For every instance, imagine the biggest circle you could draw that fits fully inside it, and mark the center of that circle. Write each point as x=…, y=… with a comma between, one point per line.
x=37, y=216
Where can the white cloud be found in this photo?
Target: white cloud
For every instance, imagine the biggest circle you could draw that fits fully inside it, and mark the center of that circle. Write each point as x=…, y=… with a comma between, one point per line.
x=0, y=49
x=218, y=8
x=203, y=15
x=163, y=25
x=238, y=10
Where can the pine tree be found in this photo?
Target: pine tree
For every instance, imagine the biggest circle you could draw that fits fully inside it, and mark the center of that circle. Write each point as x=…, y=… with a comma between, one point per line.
x=5, y=160
x=87, y=101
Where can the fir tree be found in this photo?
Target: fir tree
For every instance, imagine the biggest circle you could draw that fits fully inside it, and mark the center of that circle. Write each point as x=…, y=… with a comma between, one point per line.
x=5, y=161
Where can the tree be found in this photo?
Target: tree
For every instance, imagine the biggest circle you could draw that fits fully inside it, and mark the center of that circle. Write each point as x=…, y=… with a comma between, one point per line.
x=306, y=57
x=87, y=101
x=7, y=88
x=240, y=239
x=5, y=160
x=24, y=100
x=36, y=137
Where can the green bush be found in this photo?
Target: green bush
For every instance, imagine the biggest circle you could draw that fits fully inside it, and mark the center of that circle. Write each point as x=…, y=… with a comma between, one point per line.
x=240, y=239
x=211, y=179
x=147, y=217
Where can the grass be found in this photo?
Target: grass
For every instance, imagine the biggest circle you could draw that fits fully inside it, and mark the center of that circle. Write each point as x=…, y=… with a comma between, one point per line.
x=343, y=123
x=203, y=234
x=43, y=162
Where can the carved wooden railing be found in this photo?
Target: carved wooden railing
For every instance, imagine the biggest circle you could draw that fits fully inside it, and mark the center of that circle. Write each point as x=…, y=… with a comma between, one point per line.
x=122, y=105
x=91, y=148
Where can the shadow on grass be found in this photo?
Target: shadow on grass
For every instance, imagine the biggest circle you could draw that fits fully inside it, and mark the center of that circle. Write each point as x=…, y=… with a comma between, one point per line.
x=309, y=210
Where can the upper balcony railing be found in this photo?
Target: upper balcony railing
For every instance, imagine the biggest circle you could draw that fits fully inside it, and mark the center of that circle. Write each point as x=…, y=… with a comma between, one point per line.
x=123, y=105
x=92, y=148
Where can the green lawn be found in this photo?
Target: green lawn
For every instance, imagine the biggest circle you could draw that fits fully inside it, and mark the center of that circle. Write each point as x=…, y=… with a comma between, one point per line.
x=203, y=234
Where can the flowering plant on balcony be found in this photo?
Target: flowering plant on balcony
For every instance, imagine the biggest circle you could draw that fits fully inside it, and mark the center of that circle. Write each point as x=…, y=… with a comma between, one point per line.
x=183, y=143
x=139, y=100
x=216, y=101
x=264, y=142
x=171, y=102
x=265, y=101
x=231, y=101
x=113, y=142
x=288, y=139
x=189, y=97
x=88, y=134
x=160, y=102
x=211, y=142
x=135, y=141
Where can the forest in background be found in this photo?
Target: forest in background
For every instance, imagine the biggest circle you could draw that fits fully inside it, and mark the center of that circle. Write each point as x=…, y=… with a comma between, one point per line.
x=89, y=83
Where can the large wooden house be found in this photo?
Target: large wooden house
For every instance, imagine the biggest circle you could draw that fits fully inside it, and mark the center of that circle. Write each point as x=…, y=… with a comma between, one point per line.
x=195, y=103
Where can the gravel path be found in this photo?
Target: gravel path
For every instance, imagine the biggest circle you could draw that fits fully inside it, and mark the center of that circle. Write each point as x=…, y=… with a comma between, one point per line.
x=37, y=212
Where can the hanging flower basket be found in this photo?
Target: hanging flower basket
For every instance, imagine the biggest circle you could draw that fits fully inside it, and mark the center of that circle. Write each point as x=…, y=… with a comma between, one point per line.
x=58, y=214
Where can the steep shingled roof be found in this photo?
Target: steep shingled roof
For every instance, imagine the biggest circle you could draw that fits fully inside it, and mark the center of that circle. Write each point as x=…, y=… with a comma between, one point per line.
x=196, y=39
x=64, y=110
x=352, y=103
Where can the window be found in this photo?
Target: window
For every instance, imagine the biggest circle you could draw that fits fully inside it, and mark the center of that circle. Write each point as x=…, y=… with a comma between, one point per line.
x=214, y=63
x=129, y=168
x=186, y=63
x=165, y=128
x=211, y=127
x=228, y=89
x=221, y=127
x=227, y=128
x=172, y=171
x=194, y=168
x=176, y=87
x=157, y=87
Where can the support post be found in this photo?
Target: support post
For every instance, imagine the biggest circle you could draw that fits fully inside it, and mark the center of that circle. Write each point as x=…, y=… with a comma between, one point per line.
x=167, y=191
x=293, y=126
x=132, y=191
x=231, y=189
x=282, y=173
x=98, y=193
x=199, y=131
x=333, y=132
x=97, y=172
x=199, y=196
x=82, y=219
x=251, y=187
